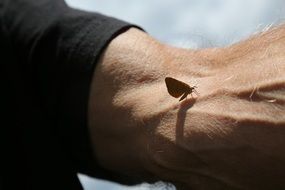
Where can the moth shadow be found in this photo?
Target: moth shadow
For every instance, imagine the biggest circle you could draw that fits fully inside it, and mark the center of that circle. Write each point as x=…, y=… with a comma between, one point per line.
x=181, y=116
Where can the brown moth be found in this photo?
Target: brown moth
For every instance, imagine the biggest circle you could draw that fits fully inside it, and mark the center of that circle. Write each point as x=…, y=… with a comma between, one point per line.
x=178, y=88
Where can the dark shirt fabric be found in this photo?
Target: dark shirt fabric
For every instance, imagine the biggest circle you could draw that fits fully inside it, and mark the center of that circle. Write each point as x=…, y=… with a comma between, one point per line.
x=48, y=53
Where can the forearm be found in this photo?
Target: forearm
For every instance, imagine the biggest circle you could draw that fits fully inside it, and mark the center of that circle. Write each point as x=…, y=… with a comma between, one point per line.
x=116, y=126
x=218, y=140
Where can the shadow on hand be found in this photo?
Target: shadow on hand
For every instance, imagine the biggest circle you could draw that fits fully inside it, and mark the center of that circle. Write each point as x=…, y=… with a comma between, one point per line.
x=181, y=116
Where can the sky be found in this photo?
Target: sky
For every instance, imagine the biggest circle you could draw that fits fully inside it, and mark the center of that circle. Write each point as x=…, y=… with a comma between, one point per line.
x=187, y=24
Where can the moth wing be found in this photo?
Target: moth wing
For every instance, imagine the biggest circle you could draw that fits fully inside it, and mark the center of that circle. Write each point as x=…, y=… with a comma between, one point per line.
x=175, y=87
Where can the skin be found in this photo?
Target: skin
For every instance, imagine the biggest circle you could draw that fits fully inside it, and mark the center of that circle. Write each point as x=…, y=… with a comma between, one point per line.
x=231, y=136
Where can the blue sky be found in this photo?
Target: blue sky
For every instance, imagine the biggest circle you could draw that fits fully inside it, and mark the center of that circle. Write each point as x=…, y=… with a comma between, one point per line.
x=193, y=23
x=188, y=24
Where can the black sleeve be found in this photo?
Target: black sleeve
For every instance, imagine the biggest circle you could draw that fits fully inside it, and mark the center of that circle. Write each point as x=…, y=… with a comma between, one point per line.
x=56, y=48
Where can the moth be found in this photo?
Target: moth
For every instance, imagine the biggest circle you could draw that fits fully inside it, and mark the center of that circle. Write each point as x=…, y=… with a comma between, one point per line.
x=178, y=88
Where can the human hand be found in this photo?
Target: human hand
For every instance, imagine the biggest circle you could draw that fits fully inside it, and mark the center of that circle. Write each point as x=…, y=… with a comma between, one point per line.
x=230, y=137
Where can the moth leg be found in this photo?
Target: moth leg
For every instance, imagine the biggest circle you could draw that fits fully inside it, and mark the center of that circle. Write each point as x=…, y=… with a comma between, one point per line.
x=196, y=92
x=184, y=96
